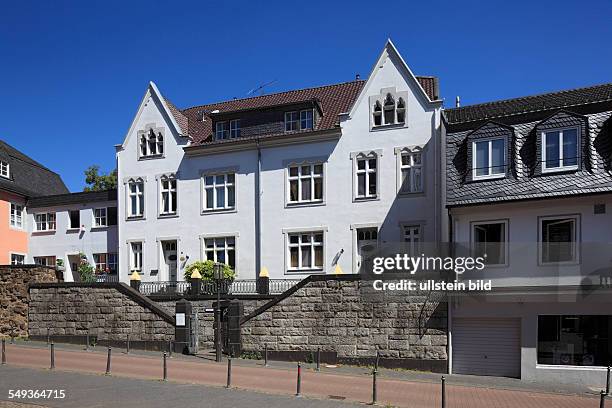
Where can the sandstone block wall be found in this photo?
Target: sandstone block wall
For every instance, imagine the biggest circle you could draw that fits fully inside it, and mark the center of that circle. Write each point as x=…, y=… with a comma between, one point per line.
x=14, y=296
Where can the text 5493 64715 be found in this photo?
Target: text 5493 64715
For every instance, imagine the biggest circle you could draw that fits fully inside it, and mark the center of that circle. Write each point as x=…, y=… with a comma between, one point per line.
x=37, y=394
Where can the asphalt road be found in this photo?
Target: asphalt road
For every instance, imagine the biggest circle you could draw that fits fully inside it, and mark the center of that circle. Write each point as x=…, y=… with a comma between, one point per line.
x=86, y=390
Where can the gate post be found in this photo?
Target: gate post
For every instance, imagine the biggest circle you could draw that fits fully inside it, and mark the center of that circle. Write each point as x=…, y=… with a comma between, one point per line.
x=182, y=332
x=234, y=342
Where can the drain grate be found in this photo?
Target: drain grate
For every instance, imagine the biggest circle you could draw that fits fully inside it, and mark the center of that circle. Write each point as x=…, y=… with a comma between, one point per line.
x=336, y=397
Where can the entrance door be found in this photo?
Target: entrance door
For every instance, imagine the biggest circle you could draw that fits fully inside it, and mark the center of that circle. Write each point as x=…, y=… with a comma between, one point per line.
x=169, y=252
x=73, y=262
x=367, y=242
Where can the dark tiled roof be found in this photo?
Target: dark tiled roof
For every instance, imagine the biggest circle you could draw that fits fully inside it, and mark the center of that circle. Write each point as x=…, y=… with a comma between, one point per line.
x=527, y=104
x=73, y=198
x=27, y=176
x=521, y=184
x=181, y=119
x=333, y=100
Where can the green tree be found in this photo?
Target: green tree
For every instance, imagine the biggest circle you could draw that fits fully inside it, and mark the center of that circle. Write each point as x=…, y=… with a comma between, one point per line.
x=99, y=182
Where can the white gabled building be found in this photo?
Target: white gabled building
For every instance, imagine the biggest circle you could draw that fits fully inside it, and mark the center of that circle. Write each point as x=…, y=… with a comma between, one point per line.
x=296, y=182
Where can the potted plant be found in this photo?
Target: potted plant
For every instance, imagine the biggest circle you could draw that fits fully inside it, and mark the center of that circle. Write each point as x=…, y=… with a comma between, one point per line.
x=59, y=265
x=86, y=270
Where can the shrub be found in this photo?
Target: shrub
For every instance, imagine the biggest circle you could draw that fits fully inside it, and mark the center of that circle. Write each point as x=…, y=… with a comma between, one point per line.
x=206, y=270
x=86, y=270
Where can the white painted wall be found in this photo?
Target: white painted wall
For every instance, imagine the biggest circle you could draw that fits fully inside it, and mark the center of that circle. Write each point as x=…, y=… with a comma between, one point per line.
x=65, y=241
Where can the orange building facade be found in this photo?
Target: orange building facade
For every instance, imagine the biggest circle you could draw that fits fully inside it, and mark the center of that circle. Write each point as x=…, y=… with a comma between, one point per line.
x=13, y=230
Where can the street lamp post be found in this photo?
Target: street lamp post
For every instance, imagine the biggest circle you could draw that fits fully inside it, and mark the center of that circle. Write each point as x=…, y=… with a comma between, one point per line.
x=218, y=276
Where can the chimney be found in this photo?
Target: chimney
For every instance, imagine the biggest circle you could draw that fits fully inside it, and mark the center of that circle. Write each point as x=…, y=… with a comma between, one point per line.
x=357, y=77
x=457, y=102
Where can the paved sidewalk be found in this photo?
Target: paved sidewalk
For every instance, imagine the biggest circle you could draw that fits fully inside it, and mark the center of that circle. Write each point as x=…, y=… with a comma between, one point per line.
x=322, y=385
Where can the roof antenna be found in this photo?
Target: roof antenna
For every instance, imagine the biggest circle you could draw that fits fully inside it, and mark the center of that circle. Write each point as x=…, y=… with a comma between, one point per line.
x=260, y=88
x=457, y=102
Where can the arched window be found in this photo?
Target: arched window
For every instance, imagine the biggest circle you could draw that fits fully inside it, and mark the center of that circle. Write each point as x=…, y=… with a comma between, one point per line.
x=401, y=111
x=160, y=143
x=143, y=145
x=389, y=110
x=377, y=113
x=152, y=143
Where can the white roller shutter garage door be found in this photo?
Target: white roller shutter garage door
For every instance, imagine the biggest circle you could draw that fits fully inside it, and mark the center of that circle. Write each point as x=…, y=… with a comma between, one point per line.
x=487, y=347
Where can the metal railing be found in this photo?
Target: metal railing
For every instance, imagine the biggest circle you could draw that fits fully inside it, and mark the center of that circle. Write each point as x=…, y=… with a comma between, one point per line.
x=107, y=278
x=237, y=287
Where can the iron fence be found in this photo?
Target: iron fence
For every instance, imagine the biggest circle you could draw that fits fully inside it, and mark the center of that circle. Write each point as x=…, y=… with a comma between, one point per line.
x=237, y=287
x=107, y=278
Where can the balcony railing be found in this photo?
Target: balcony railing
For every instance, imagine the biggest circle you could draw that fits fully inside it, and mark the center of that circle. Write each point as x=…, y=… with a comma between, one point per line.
x=107, y=278
x=237, y=287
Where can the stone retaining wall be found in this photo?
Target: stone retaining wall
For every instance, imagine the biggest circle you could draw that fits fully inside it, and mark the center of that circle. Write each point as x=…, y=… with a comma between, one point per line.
x=108, y=311
x=14, y=297
x=350, y=322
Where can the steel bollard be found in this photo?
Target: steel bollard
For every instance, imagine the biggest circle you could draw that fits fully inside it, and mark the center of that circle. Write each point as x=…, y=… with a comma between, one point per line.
x=376, y=361
x=170, y=348
x=48, y=336
x=374, y=390
x=318, y=358
x=108, y=362
x=165, y=367
x=12, y=340
x=608, y=381
x=265, y=355
x=87, y=340
x=52, y=356
x=229, y=373
x=602, y=399
x=3, y=351
x=299, y=381
x=443, y=392
x=127, y=345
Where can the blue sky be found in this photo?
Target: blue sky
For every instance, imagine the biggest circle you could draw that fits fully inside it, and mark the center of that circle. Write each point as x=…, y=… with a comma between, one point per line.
x=72, y=73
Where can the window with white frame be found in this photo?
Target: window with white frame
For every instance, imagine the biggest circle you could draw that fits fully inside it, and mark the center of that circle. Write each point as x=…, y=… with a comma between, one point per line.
x=105, y=263
x=234, y=128
x=305, y=251
x=411, y=170
x=135, y=205
x=221, y=132
x=291, y=121
x=219, y=191
x=169, y=195
x=366, y=177
x=411, y=236
x=135, y=256
x=488, y=158
x=306, y=119
x=305, y=183
x=75, y=219
x=4, y=169
x=45, y=221
x=45, y=260
x=16, y=217
x=401, y=110
x=100, y=217
x=559, y=239
x=560, y=150
x=377, y=114
x=221, y=249
x=151, y=143
x=17, y=259
x=490, y=241
x=389, y=109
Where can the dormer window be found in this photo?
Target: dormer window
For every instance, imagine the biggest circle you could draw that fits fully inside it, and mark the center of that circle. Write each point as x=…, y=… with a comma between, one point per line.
x=151, y=143
x=306, y=119
x=377, y=114
x=235, y=128
x=4, y=169
x=488, y=158
x=560, y=150
x=389, y=110
x=221, y=132
x=401, y=110
x=291, y=121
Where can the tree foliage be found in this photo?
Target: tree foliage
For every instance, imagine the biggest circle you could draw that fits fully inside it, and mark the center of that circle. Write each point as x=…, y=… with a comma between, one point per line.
x=99, y=182
x=206, y=269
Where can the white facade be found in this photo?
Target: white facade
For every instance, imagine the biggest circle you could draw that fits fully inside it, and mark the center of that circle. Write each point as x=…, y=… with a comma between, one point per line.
x=337, y=217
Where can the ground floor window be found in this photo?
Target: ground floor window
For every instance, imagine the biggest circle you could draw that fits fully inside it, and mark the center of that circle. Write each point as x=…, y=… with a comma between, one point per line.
x=105, y=263
x=575, y=340
x=17, y=259
x=305, y=251
x=222, y=249
x=136, y=256
x=45, y=260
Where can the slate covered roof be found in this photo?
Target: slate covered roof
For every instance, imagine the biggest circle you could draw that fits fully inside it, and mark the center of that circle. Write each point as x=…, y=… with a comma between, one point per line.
x=522, y=184
x=333, y=100
x=527, y=104
x=28, y=177
x=73, y=198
